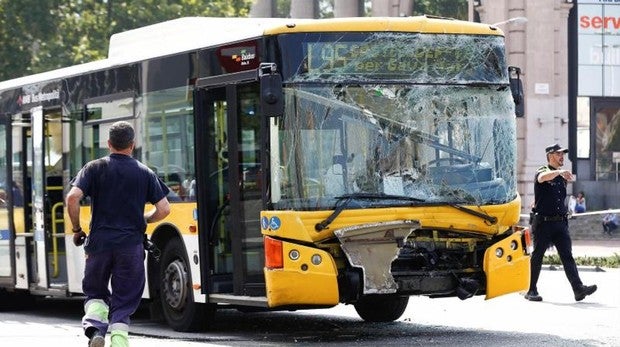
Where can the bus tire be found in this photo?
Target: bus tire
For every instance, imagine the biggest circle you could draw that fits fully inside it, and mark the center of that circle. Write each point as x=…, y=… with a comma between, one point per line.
x=176, y=295
x=381, y=308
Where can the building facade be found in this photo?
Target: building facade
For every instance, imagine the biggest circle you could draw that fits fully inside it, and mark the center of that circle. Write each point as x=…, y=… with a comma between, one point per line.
x=570, y=54
x=594, y=75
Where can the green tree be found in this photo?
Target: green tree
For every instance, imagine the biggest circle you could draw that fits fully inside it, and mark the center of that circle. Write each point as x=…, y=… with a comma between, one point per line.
x=25, y=25
x=80, y=36
x=40, y=35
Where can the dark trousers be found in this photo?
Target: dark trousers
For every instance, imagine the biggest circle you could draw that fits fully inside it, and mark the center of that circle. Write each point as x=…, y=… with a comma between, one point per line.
x=608, y=227
x=556, y=233
x=123, y=269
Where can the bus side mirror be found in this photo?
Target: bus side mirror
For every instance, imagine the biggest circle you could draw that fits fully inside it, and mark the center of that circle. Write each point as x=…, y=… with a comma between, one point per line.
x=271, y=98
x=516, y=87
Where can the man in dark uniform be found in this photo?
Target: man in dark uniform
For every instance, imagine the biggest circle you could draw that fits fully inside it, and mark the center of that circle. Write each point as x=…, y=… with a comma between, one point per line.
x=119, y=187
x=550, y=224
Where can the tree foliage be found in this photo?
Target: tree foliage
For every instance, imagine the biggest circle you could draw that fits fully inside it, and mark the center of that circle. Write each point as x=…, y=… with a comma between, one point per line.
x=40, y=35
x=24, y=27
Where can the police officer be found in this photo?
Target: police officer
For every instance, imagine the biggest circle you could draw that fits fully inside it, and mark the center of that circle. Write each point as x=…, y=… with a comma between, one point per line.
x=550, y=224
x=119, y=187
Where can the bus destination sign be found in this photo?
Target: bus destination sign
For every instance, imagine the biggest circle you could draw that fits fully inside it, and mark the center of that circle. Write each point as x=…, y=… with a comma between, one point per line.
x=403, y=59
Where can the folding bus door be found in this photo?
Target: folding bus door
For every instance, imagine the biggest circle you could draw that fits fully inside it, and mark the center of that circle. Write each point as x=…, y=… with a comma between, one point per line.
x=228, y=133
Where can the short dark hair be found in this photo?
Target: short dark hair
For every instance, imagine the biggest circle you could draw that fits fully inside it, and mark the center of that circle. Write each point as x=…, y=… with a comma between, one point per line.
x=121, y=135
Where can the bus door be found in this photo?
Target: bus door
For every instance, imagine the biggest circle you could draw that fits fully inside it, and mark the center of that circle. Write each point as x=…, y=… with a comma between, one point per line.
x=37, y=175
x=7, y=240
x=230, y=184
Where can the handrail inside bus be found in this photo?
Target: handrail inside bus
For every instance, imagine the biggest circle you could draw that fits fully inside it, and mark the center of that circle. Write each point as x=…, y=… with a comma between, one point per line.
x=55, y=222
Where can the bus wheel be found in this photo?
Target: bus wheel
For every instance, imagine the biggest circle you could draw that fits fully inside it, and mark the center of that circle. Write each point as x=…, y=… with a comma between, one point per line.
x=381, y=308
x=177, y=298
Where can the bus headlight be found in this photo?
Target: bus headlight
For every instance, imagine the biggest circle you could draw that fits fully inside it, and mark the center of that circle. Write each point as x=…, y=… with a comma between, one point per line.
x=316, y=259
x=513, y=245
x=499, y=252
x=293, y=254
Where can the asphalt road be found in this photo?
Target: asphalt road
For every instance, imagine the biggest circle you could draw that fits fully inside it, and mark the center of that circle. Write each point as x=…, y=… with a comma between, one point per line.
x=505, y=321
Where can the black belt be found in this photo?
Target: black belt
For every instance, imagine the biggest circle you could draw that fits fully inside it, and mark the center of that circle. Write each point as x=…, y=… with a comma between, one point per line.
x=558, y=218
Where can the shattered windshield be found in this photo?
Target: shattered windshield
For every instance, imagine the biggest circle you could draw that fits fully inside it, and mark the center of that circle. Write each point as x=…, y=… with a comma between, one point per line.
x=434, y=141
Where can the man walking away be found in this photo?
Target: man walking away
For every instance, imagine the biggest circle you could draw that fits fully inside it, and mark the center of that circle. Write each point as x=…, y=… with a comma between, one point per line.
x=119, y=187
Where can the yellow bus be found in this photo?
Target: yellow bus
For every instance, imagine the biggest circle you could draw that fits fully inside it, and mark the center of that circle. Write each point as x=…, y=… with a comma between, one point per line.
x=311, y=163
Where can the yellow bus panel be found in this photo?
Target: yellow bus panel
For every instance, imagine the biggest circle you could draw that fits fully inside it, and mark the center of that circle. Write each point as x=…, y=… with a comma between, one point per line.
x=506, y=267
x=303, y=280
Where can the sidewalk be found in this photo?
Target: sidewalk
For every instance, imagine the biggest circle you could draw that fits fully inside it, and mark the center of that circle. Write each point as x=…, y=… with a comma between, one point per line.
x=594, y=248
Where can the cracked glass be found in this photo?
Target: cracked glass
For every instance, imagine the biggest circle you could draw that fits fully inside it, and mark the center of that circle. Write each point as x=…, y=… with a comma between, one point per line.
x=424, y=116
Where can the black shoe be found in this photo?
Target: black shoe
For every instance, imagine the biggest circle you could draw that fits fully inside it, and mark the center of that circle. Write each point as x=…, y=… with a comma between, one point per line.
x=97, y=340
x=532, y=295
x=584, y=291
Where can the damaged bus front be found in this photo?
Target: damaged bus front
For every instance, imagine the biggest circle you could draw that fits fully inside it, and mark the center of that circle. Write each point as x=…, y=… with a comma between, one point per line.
x=393, y=172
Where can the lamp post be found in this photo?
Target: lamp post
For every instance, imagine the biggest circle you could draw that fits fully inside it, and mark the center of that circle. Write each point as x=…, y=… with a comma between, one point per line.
x=516, y=20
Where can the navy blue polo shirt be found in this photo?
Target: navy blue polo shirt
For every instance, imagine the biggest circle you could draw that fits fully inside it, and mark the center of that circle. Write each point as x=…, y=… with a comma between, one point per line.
x=119, y=187
x=549, y=196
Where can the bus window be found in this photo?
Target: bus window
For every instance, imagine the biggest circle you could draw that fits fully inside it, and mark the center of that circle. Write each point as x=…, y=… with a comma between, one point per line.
x=169, y=141
x=248, y=137
x=109, y=107
x=101, y=112
x=217, y=182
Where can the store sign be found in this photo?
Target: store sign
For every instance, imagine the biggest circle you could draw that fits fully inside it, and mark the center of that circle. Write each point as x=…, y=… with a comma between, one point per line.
x=598, y=2
x=596, y=23
x=598, y=29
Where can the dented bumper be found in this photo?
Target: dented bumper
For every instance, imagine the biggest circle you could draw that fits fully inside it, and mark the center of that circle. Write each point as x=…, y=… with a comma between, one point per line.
x=373, y=247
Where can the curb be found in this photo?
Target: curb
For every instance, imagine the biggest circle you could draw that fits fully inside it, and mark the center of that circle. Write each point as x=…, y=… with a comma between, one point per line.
x=580, y=268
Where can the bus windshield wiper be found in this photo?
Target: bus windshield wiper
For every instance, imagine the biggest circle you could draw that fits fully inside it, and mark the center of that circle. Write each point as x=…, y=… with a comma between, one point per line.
x=344, y=200
x=485, y=216
x=464, y=197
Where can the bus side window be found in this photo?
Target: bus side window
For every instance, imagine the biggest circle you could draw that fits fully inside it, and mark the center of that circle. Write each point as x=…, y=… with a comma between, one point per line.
x=176, y=189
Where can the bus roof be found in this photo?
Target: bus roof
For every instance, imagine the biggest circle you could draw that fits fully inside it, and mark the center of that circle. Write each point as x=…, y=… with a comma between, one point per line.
x=192, y=33
x=422, y=24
